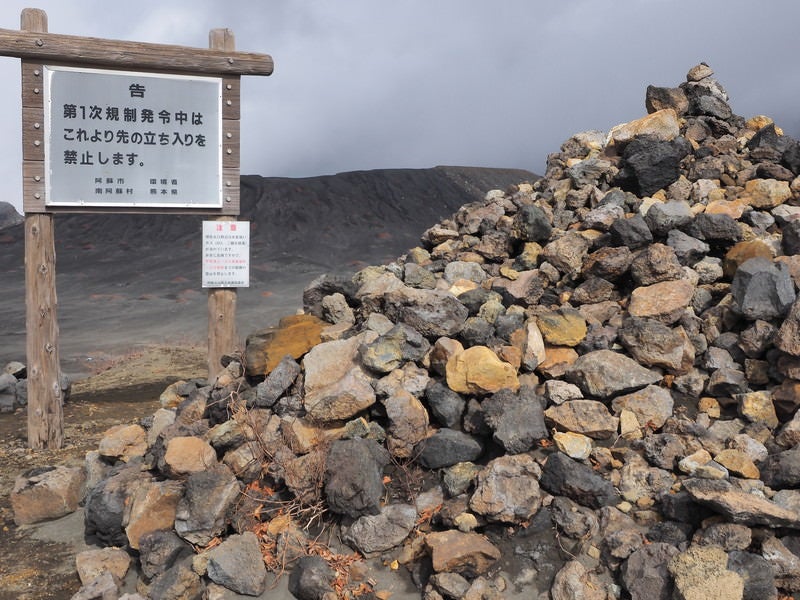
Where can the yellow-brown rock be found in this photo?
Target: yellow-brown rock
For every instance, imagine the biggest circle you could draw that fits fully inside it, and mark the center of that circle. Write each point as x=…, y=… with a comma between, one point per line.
x=153, y=507
x=766, y=193
x=295, y=335
x=478, y=370
x=662, y=124
x=737, y=463
x=563, y=327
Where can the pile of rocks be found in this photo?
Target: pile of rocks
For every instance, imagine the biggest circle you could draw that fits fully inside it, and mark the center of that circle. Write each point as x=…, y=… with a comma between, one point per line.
x=584, y=387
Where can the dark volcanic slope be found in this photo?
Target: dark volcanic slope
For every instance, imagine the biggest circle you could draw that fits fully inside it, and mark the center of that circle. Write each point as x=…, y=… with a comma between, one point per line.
x=125, y=280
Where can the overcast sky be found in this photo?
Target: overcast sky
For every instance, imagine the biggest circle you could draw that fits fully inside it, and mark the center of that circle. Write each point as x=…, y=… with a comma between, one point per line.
x=365, y=84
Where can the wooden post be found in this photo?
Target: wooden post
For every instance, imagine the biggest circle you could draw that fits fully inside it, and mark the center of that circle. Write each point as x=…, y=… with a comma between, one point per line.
x=45, y=410
x=221, y=301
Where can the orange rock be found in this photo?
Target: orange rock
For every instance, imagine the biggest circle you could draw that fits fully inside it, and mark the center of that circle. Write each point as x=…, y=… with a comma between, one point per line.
x=742, y=252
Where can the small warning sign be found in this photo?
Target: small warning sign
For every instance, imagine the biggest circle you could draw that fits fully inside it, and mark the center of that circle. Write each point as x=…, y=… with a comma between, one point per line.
x=226, y=254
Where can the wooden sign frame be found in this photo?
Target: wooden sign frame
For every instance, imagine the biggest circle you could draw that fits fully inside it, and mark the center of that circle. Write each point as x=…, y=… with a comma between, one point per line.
x=37, y=48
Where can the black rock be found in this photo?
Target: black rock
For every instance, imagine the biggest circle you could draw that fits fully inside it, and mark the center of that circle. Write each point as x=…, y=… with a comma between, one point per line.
x=631, y=232
x=474, y=299
x=757, y=573
x=714, y=228
x=782, y=470
x=447, y=447
x=649, y=165
x=531, y=224
x=311, y=578
x=107, y=502
x=562, y=476
x=791, y=156
x=445, y=405
x=790, y=240
x=325, y=285
x=354, y=477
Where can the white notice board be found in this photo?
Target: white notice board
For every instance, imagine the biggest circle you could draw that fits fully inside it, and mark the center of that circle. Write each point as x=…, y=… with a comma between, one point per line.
x=226, y=254
x=129, y=139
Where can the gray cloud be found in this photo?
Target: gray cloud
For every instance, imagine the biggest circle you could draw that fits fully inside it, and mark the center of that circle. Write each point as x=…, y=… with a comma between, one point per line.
x=360, y=84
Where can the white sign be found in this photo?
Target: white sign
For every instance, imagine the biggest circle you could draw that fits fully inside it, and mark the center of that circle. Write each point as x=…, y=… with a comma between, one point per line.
x=226, y=254
x=122, y=138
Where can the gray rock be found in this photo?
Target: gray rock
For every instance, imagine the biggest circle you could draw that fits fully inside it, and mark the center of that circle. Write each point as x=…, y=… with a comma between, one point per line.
x=687, y=249
x=390, y=350
x=179, y=582
x=418, y=277
x=785, y=564
x=238, y=565
x=727, y=382
x=664, y=217
x=652, y=406
x=432, y=313
x=664, y=450
x=354, y=477
x=572, y=519
x=159, y=550
x=470, y=271
x=567, y=252
x=605, y=373
x=202, y=512
x=103, y=587
x=277, y=382
x=311, y=579
x=587, y=417
x=740, y=506
x=377, y=533
x=645, y=574
x=508, y=490
x=451, y=585
x=517, y=419
x=448, y=447
x=762, y=289
x=562, y=476
x=654, y=344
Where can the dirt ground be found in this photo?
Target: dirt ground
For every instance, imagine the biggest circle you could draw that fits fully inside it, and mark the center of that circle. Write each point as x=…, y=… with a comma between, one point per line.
x=123, y=390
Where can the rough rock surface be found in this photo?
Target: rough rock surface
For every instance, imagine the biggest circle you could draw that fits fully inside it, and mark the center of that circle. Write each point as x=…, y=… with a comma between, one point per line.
x=592, y=378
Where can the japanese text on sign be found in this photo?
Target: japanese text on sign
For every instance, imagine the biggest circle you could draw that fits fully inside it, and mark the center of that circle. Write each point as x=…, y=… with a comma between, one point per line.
x=132, y=139
x=226, y=254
